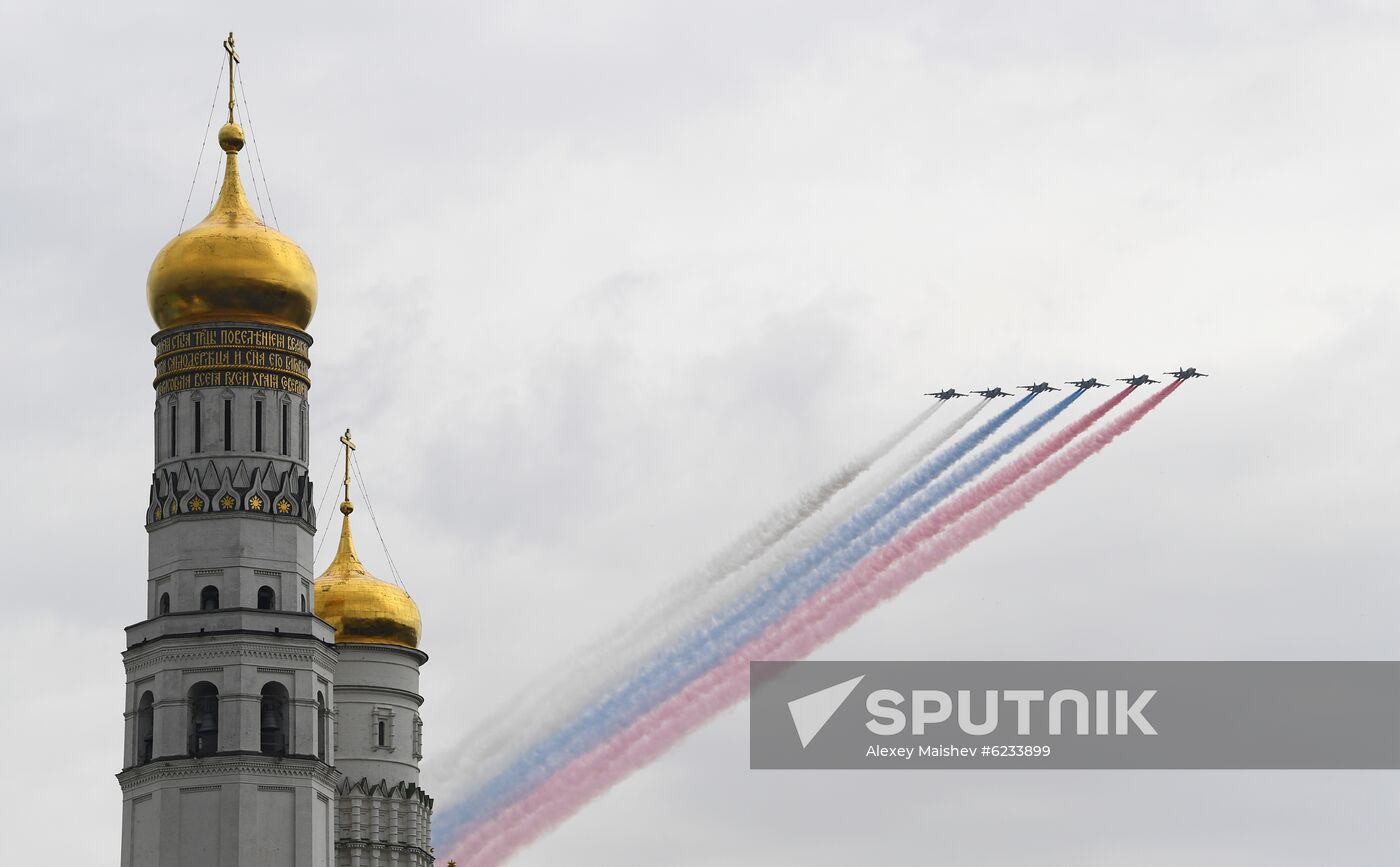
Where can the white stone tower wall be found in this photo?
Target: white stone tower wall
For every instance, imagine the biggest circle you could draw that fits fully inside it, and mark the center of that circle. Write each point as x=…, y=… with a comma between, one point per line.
x=379, y=683
x=237, y=557
x=383, y=817
x=236, y=518
x=208, y=425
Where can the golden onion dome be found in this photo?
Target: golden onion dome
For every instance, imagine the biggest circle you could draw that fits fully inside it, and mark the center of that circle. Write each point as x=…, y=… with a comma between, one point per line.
x=363, y=609
x=232, y=266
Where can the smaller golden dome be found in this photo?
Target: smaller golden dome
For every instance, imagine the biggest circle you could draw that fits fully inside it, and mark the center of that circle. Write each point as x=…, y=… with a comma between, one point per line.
x=363, y=609
x=231, y=266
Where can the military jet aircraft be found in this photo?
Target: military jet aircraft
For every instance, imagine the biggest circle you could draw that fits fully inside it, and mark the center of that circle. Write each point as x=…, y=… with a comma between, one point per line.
x=945, y=394
x=990, y=393
x=1038, y=387
x=1091, y=382
x=1135, y=381
x=1185, y=373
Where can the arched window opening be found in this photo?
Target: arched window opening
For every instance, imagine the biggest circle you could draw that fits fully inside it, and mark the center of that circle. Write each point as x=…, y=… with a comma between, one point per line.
x=274, y=719
x=303, y=602
x=209, y=598
x=145, y=728
x=321, y=750
x=267, y=598
x=204, y=719
x=164, y=603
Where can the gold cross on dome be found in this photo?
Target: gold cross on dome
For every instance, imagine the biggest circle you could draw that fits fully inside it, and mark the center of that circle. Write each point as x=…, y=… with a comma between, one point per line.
x=349, y=447
x=232, y=62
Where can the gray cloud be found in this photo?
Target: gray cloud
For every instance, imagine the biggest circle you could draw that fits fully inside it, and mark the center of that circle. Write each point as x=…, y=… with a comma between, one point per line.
x=600, y=284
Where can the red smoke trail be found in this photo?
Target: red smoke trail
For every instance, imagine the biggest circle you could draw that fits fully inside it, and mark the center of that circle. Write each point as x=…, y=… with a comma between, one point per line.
x=876, y=578
x=675, y=612
x=928, y=544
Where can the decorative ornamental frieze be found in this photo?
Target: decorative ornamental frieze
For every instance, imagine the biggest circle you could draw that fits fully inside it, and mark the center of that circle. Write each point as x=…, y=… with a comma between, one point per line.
x=401, y=790
x=394, y=821
x=214, y=485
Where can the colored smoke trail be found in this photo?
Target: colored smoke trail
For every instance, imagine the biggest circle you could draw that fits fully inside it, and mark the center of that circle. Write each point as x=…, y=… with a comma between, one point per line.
x=510, y=774
x=877, y=482
x=488, y=749
x=668, y=672
x=784, y=520
x=741, y=582
x=863, y=495
x=817, y=621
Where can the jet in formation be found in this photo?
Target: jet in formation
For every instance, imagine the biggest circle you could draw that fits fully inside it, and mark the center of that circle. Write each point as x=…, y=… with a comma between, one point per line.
x=1082, y=384
x=1140, y=379
x=990, y=393
x=1185, y=373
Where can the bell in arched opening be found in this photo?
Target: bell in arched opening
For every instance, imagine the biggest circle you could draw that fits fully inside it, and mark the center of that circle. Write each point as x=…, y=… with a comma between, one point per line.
x=273, y=718
x=204, y=719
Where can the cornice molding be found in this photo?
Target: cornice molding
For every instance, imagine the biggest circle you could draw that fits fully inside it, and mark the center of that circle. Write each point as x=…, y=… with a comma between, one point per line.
x=255, y=764
x=236, y=649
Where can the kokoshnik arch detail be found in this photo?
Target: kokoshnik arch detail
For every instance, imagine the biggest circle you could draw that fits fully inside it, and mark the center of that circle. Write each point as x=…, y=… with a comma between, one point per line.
x=272, y=716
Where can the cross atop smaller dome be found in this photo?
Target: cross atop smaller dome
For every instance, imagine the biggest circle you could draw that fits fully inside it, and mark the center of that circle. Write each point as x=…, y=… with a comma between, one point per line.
x=363, y=609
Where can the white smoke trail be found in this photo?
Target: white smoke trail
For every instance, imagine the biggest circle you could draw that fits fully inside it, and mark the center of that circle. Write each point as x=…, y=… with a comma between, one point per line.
x=538, y=708
x=879, y=576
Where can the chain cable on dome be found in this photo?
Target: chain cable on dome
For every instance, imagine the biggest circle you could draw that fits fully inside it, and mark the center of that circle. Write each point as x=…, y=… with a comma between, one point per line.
x=214, y=189
x=325, y=526
x=252, y=175
x=204, y=143
x=257, y=154
x=360, y=479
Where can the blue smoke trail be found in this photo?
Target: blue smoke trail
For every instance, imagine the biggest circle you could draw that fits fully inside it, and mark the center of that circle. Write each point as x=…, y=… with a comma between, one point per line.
x=748, y=616
x=663, y=620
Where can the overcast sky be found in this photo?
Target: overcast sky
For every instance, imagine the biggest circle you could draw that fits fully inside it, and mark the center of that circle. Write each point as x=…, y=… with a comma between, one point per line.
x=603, y=282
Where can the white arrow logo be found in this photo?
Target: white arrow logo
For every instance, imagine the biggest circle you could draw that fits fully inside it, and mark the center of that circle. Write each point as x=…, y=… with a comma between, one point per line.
x=810, y=713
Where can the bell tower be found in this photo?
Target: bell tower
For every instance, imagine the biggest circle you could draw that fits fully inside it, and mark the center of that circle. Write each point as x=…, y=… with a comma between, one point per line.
x=229, y=759
x=382, y=816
